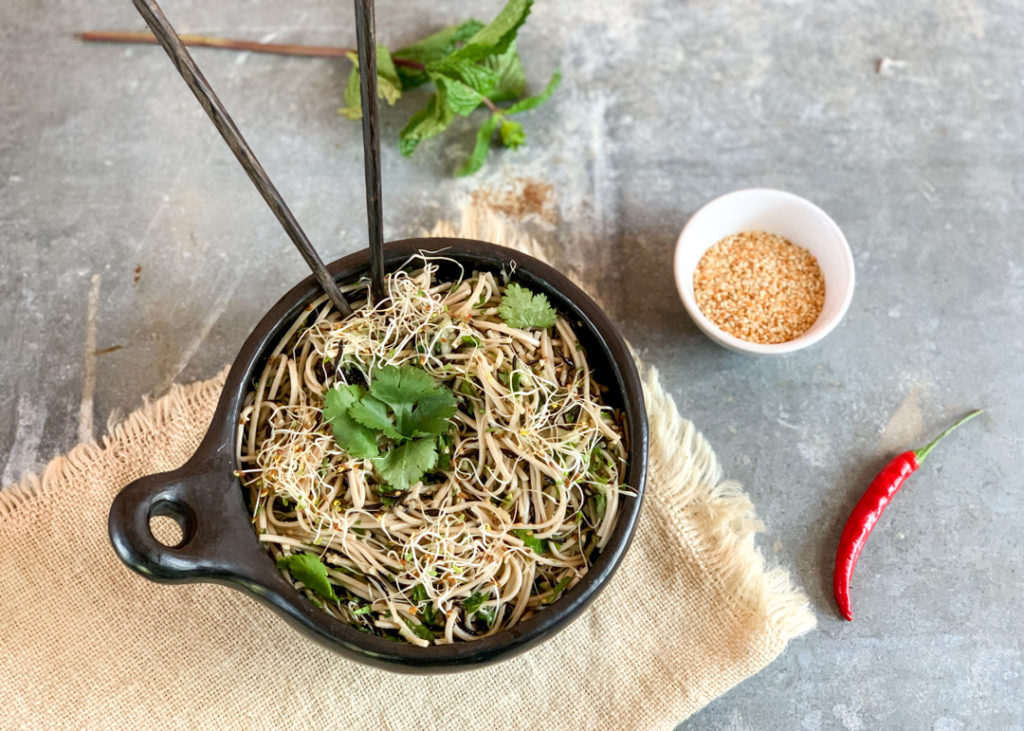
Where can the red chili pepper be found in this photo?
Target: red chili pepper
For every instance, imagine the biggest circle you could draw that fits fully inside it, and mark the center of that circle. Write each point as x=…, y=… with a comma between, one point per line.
x=870, y=508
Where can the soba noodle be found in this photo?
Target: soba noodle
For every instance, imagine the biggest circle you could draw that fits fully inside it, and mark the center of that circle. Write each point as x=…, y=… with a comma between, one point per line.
x=513, y=514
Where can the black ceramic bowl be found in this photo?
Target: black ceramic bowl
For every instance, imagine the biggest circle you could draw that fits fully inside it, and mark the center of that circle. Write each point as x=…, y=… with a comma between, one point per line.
x=208, y=502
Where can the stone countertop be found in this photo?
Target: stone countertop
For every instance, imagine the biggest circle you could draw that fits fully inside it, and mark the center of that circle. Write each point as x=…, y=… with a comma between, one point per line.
x=128, y=230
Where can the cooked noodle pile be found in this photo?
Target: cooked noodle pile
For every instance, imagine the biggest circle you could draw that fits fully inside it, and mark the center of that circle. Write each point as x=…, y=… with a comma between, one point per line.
x=524, y=494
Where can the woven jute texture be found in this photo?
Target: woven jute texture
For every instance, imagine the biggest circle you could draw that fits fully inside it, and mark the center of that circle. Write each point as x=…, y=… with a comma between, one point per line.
x=86, y=643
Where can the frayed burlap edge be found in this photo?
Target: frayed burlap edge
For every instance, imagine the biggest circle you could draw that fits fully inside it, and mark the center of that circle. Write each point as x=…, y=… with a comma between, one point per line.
x=153, y=414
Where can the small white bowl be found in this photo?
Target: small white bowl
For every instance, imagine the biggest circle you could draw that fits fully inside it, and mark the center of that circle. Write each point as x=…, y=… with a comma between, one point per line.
x=783, y=214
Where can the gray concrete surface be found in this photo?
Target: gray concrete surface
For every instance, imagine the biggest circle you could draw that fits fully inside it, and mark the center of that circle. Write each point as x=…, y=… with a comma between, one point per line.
x=107, y=164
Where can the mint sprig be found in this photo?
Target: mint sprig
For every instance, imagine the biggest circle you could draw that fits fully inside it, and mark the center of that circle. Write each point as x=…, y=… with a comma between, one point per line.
x=471, y=65
x=398, y=422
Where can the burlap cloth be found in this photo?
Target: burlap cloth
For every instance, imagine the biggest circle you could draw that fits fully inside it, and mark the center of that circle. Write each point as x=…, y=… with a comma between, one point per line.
x=86, y=643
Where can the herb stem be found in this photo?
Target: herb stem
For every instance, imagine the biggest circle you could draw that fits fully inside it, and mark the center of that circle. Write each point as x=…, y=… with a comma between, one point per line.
x=233, y=44
x=492, y=106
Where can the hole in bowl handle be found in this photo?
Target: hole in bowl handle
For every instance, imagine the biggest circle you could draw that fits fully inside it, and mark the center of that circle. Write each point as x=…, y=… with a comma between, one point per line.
x=206, y=502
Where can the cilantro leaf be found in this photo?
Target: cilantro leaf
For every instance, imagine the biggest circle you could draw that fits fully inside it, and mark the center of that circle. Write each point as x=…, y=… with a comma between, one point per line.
x=389, y=85
x=342, y=396
x=431, y=415
x=405, y=405
x=530, y=541
x=522, y=308
x=401, y=386
x=353, y=437
x=407, y=463
x=532, y=102
x=373, y=414
x=482, y=147
x=310, y=571
x=495, y=37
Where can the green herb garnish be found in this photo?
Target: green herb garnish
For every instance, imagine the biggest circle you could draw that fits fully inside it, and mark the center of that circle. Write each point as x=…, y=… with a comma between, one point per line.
x=418, y=629
x=473, y=606
x=310, y=571
x=425, y=607
x=470, y=64
x=525, y=309
x=557, y=590
x=405, y=412
x=535, y=544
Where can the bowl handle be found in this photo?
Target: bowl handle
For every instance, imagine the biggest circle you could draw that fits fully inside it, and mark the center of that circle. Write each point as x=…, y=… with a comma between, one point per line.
x=204, y=498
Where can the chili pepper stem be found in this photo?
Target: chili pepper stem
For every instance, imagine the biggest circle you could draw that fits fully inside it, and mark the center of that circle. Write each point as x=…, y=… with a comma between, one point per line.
x=924, y=451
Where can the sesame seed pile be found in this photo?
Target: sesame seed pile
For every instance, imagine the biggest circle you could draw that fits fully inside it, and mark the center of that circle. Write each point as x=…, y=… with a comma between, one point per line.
x=759, y=287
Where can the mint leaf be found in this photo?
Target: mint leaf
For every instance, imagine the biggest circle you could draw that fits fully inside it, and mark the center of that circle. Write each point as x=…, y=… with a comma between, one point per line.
x=496, y=36
x=532, y=102
x=428, y=122
x=482, y=147
x=522, y=308
x=510, y=78
x=353, y=437
x=534, y=544
x=389, y=85
x=311, y=572
x=432, y=48
x=461, y=99
x=404, y=465
x=512, y=134
x=353, y=108
x=373, y=414
x=478, y=77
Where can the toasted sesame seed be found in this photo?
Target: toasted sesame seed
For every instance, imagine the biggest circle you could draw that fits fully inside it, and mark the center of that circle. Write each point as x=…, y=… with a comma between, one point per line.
x=759, y=287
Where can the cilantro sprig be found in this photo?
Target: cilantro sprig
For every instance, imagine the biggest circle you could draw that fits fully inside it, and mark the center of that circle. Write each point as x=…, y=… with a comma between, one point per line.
x=525, y=309
x=398, y=422
x=470, y=65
